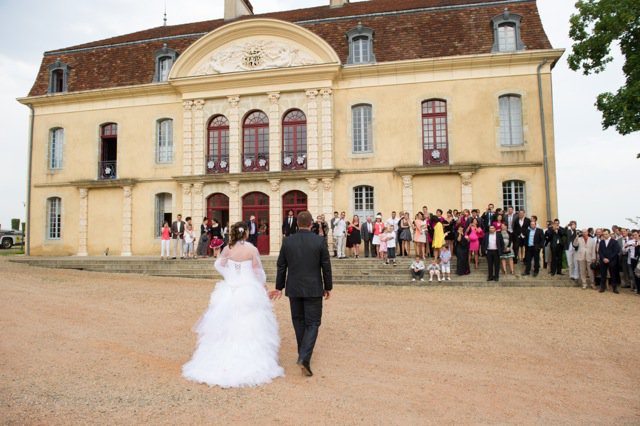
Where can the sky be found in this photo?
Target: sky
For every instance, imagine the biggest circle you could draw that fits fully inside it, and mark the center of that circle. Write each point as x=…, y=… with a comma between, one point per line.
x=597, y=170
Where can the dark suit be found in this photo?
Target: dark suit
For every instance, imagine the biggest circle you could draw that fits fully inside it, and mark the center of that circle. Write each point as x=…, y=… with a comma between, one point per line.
x=611, y=252
x=518, y=235
x=289, y=228
x=367, y=240
x=556, y=245
x=488, y=217
x=533, y=251
x=253, y=238
x=493, y=256
x=304, y=271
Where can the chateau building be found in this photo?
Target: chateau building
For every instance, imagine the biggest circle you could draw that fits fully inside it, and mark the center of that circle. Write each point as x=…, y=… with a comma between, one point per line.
x=372, y=106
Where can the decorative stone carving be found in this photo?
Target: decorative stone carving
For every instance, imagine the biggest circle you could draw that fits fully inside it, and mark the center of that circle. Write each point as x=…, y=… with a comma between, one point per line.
x=255, y=55
x=311, y=94
x=84, y=193
x=326, y=92
x=275, y=184
x=197, y=188
x=327, y=183
x=233, y=101
x=313, y=184
x=407, y=181
x=198, y=104
x=187, y=105
x=234, y=186
x=274, y=97
x=186, y=189
x=127, y=192
x=466, y=178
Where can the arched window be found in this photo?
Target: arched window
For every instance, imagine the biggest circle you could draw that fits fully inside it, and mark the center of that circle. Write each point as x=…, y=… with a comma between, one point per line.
x=218, y=145
x=163, y=212
x=255, y=142
x=56, y=143
x=360, y=41
x=108, y=151
x=362, y=132
x=435, y=139
x=58, y=77
x=506, y=32
x=363, y=201
x=218, y=208
x=294, y=200
x=164, y=140
x=510, y=120
x=165, y=58
x=54, y=218
x=294, y=140
x=513, y=194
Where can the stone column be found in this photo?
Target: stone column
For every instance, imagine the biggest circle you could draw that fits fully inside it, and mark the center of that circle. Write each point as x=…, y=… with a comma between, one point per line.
x=234, y=135
x=198, y=138
x=467, y=190
x=275, y=217
x=327, y=197
x=327, y=128
x=187, y=135
x=312, y=197
x=235, y=209
x=407, y=194
x=275, y=144
x=83, y=230
x=197, y=202
x=312, y=130
x=127, y=222
x=186, y=200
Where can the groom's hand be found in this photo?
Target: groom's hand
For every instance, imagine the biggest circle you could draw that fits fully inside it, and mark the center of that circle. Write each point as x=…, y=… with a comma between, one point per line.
x=327, y=294
x=275, y=294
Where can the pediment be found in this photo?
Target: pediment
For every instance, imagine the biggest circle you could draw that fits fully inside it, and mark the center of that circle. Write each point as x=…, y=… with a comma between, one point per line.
x=253, y=45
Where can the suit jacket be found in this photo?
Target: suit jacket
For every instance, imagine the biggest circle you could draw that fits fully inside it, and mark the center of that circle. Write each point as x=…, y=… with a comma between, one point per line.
x=570, y=236
x=610, y=251
x=304, y=267
x=554, y=238
x=253, y=239
x=288, y=230
x=499, y=242
x=538, y=238
x=177, y=229
x=364, y=232
x=487, y=219
x=585, y=250
x=517, y=230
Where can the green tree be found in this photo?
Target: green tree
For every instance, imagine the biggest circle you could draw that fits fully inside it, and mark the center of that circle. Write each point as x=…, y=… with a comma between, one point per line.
x=594, y=29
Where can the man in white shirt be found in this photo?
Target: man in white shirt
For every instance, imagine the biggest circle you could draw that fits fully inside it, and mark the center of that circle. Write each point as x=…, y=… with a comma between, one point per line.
x=393, y=222
x=366, y=232
x=340, y=235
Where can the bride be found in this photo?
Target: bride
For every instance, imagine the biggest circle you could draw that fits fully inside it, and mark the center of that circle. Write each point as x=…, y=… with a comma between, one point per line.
x=238, y=339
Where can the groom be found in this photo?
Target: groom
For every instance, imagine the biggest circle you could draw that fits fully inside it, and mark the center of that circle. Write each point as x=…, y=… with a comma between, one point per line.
x=303, y=267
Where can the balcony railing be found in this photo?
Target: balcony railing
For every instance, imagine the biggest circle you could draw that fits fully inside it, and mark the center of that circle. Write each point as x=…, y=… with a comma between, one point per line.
x=294, y=160
x=107, y=169
x=435, y=156
x=216, y=164
x=251, y=163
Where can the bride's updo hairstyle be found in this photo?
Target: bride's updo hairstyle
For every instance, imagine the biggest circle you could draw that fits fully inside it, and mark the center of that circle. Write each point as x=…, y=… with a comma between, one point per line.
x=238, y=232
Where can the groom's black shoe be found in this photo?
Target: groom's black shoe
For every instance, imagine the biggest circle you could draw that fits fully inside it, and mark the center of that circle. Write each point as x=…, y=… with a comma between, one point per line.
x=306, y=368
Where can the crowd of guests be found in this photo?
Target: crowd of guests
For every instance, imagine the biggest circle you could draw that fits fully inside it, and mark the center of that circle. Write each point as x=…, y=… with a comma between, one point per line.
x=503, y=237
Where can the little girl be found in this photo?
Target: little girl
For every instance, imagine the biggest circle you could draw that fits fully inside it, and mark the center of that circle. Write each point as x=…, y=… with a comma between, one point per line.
x=445, y=263
x=383, y=245
x=434, y=269
x=389, y=238
x=189, y=237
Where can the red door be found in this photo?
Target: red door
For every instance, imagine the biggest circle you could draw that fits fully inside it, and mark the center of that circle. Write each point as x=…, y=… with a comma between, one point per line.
x=257, y=204
x=294, y=200
x=218, y=208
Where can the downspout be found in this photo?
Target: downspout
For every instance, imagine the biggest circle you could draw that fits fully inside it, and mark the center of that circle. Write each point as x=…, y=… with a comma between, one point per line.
x=27, y=248
x=544, y=140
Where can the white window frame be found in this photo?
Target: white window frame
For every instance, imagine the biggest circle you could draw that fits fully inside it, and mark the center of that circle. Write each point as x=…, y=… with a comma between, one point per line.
x=360, y=41
x=362, y=129
x=511, y=120
x=364, y=201
x=500, y=23
x=56, y=148
x=54, y=218
x=514, y=193
x=164, y=141
x=161, y=200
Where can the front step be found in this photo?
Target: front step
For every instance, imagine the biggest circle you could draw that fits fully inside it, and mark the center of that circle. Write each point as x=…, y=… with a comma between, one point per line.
x=345, y=271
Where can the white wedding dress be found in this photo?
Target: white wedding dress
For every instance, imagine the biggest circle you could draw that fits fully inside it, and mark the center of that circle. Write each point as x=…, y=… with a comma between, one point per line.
x=238, y=340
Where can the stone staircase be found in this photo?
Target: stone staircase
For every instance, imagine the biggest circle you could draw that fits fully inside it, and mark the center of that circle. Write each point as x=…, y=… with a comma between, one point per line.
x=345, y=271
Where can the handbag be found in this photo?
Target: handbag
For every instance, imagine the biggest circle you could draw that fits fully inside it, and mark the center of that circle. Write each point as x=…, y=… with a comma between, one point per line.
x=593, y=265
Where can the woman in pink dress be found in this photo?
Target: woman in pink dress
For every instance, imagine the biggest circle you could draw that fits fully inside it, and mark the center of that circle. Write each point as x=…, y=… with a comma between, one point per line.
x=378, y=228
x=420, y=234
x=474, y=235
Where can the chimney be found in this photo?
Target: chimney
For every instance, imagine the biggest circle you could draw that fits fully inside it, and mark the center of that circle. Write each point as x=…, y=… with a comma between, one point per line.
x=338, y=3
x=236, y=8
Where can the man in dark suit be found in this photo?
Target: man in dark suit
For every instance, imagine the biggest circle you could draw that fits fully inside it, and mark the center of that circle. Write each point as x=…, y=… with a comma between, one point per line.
x=493, y=246
x=487, y=218
x=304, y=271
x=556, y=246
x=533, y=243
x=366, y=231
x=177, y=237
x=520, y=225
x=608, y=254
x=289, y=225
x=252, y=228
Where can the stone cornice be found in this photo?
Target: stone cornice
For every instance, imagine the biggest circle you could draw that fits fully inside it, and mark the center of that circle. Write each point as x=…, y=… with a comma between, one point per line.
x=154, y=89
x=459, y=168
x=91, y=184
x=259, y=176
